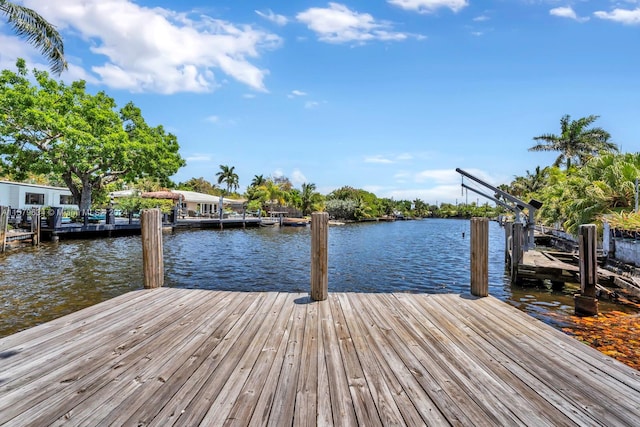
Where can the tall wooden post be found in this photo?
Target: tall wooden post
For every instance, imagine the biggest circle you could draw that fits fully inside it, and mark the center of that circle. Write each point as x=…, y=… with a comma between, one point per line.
x=586, y=302
x=480, y=257
x=516, y=250
x=35, y=226
x=319, y=255
x=508, y=229
x=152, y=261
x=4, y=221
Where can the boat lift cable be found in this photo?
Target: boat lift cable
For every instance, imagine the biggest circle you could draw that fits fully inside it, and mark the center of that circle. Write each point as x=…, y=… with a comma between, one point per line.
x=518, y=206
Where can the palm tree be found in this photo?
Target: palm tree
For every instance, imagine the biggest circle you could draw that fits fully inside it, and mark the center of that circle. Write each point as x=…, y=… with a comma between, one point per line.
x=29, y=24
x=228, y=176
x=258, y=180
x=311, y=200
x=576, y=142
x=530, y=184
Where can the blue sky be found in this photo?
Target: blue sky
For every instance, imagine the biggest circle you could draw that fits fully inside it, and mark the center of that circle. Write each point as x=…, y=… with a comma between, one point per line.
x=389, y=96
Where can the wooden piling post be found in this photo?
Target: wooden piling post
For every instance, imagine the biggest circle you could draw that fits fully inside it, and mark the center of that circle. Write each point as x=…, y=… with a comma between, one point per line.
x=35, y=226
x=319, y=256
x=586, y=302
x=516, y=249
x=4, y=222
x=480, y=257
x=152, y=260
x=508, y=229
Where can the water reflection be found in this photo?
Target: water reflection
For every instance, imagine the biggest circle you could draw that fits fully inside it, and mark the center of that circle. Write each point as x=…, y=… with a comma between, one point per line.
x=39, y=284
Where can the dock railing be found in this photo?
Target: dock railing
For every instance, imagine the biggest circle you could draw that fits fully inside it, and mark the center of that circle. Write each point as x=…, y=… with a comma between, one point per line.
x=153, y=264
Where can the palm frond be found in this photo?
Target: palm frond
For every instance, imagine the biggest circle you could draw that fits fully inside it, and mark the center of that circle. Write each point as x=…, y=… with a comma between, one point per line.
x=28, y=24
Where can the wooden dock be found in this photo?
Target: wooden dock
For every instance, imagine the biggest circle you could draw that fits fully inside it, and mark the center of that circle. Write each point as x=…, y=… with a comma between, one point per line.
x=167, y=356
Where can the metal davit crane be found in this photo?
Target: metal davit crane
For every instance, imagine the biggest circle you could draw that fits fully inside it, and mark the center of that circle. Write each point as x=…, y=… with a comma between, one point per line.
x=510, y=202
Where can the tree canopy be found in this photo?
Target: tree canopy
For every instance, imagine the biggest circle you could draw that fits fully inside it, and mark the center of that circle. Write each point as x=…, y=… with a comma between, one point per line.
x=29, y=24
x=576, y=143
x=49, y=127
x=228, y=176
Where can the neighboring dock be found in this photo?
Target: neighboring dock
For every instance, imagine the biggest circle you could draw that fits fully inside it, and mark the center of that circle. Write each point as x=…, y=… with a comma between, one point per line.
x=124, y=227
x=194, y=357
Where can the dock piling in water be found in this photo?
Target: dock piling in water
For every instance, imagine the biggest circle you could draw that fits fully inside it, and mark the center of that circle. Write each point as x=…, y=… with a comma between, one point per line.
x=517, y=236
x=586, y=302
x=152, y=261
x=319, y=255
x=480, y=257
x=4, y=221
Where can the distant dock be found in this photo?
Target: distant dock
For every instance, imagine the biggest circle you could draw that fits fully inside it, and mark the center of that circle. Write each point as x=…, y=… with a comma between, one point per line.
x=123, y=227
x=168, y=356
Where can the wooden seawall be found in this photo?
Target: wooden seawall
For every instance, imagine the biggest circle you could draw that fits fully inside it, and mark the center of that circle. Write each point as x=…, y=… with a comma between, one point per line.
x=194, y=357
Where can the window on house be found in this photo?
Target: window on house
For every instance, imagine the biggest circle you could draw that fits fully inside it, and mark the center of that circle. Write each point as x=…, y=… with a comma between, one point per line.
x=33, y=199
x=66, y=199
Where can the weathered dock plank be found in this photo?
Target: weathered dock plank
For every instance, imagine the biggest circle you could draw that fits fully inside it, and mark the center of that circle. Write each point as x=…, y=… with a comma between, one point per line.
x=195, y=357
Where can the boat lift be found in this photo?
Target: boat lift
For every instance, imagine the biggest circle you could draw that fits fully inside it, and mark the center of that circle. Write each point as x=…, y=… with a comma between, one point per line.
x=517, y=206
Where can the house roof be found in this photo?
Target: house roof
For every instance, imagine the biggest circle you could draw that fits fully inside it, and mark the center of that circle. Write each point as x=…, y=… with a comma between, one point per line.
x=187, y=196
x=170, y=195
x=194, y=197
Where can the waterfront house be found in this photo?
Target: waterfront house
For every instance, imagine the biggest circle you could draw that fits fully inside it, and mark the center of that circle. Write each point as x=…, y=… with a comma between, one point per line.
x=191, y=203
x=25, y=196
x=200, y=204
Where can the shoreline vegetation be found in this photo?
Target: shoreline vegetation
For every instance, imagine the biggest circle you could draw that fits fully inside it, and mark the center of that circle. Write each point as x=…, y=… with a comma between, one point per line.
x=590, y=181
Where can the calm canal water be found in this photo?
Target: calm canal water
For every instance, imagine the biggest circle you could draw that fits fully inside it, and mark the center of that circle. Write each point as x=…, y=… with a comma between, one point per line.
x=431, y=255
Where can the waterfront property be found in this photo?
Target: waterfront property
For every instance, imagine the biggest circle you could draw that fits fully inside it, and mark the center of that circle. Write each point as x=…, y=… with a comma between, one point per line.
x=26, y=196
x=197, y=357
x=205, y=205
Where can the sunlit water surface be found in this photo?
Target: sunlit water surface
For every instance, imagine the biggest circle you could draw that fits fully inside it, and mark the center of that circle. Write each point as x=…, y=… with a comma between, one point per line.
x=429, y=256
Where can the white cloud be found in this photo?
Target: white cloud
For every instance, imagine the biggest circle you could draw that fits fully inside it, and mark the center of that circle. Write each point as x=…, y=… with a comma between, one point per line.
x=249, y=96
x=213, y=119
x=298, y=178
x=295, y=93
x=439, y=176
x=160, y=50
x=624, y=16
x=199, y=158
x=377, y=159
x=430, y=6
x=402, y=177
x=567, y=12
x=439, y=193
x=477, y=33
x=273, y=17
x=311, y=104
x=339, y=24
x=386, y=160
x=14, y=47
x=481, y=18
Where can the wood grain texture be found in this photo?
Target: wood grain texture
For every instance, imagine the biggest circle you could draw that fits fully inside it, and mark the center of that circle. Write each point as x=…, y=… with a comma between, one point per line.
x=480, y=257
x=319, y=255
x=152, y=259
x=183, y=357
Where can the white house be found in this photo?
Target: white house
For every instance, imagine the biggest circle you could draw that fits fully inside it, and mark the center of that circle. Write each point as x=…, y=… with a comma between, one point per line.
x=192, y=203
x=24, y=196
x=205, y=204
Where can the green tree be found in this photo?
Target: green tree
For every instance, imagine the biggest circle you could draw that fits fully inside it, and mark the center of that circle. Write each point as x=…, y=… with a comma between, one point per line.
x=421, y=208
x=311, y=200
x=49, y=127
x=258, y=180
x=529, y=185
x=29, y=24
x=228, y=176
x=275, y=195
x=577, y=142
x=367, y=204
x=199, y=185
